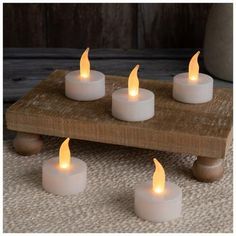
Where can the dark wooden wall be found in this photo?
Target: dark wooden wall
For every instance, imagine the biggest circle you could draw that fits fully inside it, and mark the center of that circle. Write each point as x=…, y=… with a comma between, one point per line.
x=105, y=25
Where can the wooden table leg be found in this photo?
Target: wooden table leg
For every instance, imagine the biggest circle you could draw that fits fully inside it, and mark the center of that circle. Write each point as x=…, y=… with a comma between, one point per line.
x=208, y=169
x=27, y=144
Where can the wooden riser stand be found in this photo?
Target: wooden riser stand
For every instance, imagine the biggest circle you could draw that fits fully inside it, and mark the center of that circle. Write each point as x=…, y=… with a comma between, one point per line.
x=204, y=130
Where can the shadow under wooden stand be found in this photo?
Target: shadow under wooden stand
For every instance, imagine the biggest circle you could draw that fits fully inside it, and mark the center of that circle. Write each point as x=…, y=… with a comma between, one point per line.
x=204, y=130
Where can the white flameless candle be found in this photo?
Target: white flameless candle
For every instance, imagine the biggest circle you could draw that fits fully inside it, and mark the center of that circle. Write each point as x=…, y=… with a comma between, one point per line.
x=193, y=87
x=134, y=103
x=66, y=175
x=85, y=84
x=158, y=201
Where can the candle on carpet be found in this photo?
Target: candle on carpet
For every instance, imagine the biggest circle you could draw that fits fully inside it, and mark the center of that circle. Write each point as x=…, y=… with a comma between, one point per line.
x=158, y=201
x=193, y=87
x=133, y=103
x=66, y=175
x=85, y=84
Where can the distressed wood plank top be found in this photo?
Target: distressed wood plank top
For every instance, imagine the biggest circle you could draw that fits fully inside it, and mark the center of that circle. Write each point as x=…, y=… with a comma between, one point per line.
x=203, y=129
x=24, y=68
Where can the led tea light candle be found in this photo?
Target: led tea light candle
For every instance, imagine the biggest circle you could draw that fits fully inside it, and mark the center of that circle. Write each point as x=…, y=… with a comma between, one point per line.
x=66, y=175
x=193, y=87
x=85, y=84
x=158, y=200
x=133, y=103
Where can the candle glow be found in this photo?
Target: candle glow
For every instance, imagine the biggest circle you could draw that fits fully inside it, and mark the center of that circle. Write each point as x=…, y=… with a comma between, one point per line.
x=64, y=155
x=158, y=200
x=193, y=67
x=193, y=87
x=133, y=82
x=66, y=176
x=85, y=65
x=158, y=179
x=85, y=84
x=133, y=103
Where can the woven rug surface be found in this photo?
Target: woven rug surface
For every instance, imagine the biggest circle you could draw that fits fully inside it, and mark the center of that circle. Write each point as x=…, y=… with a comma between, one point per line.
x=107, y=204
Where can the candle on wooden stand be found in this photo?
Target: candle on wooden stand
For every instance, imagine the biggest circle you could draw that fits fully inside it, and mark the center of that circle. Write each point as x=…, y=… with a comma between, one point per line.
x=193, y=87
x=158, y=200
x=66, y=175
x=85, y=84
x=133, y=103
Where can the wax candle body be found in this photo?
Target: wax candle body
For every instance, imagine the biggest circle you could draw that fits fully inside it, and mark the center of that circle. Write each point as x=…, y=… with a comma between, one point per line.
x=193, y=91
x=64, y=181
x=138, y=108
x=158, y=207
x=85, y=89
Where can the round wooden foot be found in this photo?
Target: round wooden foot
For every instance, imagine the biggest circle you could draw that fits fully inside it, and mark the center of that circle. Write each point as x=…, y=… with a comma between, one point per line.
x=208, y=169
x=27, y=144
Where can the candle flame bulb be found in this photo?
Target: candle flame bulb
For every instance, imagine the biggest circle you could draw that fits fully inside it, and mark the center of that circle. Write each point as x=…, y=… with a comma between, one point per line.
x=158, y=180
x=193, y=67
x=64, y=155
x=85, y=65
x=133, y=82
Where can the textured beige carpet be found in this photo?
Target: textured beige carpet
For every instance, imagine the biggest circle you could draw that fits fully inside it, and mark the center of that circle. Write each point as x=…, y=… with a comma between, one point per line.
x=107, y=205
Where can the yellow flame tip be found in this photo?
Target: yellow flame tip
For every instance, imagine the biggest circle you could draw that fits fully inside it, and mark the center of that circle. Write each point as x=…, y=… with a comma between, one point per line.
x=158, y=177
x=85, y=64
x=193, y=67
x=133, y=82
x=64, y=154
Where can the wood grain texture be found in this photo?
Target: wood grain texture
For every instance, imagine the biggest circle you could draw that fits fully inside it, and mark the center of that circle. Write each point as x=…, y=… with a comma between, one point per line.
x=25, y=68
x=31, y=72
x=24, y=25
x=98, y=54
x=91, y=25
x=105, y=25
x=178, y=25
x=203, y=129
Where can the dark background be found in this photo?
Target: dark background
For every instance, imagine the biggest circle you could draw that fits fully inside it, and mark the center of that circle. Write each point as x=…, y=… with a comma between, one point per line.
x=105, y=25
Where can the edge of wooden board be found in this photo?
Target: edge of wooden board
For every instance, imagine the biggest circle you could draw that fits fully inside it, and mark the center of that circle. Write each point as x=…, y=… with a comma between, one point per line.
x=92, y=131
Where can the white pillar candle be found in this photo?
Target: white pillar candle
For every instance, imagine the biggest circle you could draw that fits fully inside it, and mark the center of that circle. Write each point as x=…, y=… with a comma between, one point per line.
x=66, y=175
x=85, y=90
x=158, y=201
x=133, y=103
x=85, y=84
x=193, y=87
x=158, y=207
x=194, y=92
